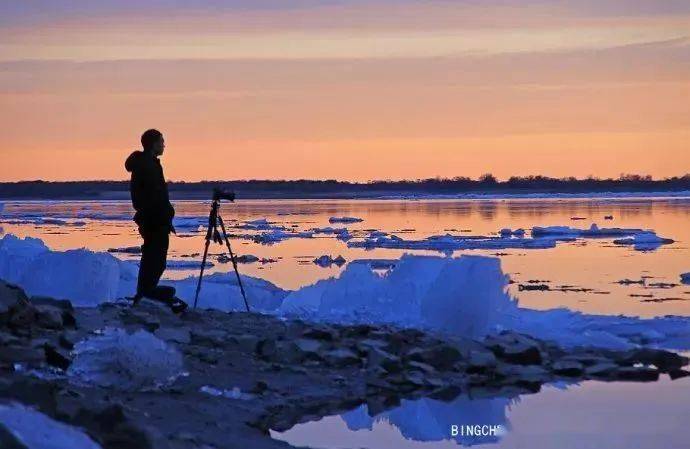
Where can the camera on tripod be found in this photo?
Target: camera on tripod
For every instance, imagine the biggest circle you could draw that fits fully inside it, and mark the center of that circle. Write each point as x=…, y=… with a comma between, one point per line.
x=220, y=194
x=219, y=236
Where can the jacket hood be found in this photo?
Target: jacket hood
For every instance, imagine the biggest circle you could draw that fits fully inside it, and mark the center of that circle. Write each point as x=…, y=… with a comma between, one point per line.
x=135, y=160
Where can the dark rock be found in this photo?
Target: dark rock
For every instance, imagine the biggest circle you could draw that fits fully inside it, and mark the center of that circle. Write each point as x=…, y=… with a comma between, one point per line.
x=247, y=343
x=515, y=348
x=21, y=354
x=56, y=357
x=644, y=373
x=664, y=360
x=49, y=317
x=341, y=358
x=266, y=348
x=321, y=334
x=604, y=369
x=209, y=337
x=8, y=440
x=441, y=356
x=419, y=366
x=480, y=361
x=174, y=334
x=380, y=358
x=568, y=368
x=677, y=374
x=67, y=340
x=62, y=304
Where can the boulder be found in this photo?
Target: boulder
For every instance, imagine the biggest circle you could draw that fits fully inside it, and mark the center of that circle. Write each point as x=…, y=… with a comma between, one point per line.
x=442, y=356
x=603, y=369
x=480, y=361
x=174, y=334
x=341, y=358
x=642, y=373
x=56, y=357
x=49, y=317
x=380, y=358
x=568, y=368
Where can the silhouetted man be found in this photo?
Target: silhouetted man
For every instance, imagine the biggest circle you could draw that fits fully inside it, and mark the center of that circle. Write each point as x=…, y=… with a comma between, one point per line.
x=154, y=215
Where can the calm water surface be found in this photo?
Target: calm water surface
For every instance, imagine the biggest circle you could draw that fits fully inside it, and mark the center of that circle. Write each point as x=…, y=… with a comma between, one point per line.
x=591, y=415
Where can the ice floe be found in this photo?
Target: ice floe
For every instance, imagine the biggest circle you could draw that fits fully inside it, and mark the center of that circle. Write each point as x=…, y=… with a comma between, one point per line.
x=117, y=359
x=327, y=261
x=467, y=296
x=541, y=238
x=644, y=241
x=463, y=296
x=89, y=278
x=345, y=220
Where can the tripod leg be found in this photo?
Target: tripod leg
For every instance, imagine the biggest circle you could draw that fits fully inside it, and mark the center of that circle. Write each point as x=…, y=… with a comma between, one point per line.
x=234, y=261
x=201, y=274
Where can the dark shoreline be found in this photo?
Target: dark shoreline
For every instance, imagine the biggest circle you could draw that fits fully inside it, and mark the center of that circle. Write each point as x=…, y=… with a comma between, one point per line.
x=331, y=189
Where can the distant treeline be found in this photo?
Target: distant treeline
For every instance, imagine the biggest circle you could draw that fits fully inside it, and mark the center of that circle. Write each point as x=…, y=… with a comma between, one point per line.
x=344, y=189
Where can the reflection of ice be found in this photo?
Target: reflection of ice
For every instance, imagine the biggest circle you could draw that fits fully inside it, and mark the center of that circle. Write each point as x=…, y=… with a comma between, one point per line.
x=422, y=420
x=36, y=430
x=431, y=420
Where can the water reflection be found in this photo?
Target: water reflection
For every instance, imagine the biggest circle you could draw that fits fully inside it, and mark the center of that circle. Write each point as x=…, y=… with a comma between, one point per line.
x=589, y=415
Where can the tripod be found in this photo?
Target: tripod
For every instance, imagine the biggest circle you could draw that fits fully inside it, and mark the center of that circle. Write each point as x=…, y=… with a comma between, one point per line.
x=214, y=219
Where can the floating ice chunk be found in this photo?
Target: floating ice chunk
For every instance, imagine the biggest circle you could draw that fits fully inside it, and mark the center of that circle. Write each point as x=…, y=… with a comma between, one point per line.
x=644, y=241
x=38, y=431
x=260, y=224
x=278, y=235
x=507, y=232
x=189, y=224
x=327, y=261
x=126, y=250
x=234, y=393
x=449, y=243
x=116, y=359
x=177, y=264
x=593, y=232
x=340, y=233
x=685, y=278
x=345, y=220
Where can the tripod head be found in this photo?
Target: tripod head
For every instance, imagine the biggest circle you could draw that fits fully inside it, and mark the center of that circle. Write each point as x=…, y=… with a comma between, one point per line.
x=220, y=194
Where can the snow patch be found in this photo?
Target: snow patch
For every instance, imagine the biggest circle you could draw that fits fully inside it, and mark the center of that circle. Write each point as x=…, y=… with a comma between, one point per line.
x=38, y=431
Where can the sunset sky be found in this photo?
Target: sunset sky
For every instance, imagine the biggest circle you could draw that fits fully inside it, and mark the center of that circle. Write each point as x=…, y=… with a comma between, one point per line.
x=346, y=89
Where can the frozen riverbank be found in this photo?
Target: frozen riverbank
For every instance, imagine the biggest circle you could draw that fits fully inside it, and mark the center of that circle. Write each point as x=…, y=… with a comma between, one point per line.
x=462, y=297
x=143, y=378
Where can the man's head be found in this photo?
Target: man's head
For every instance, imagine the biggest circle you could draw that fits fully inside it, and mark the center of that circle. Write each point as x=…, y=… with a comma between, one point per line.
x=152, y=142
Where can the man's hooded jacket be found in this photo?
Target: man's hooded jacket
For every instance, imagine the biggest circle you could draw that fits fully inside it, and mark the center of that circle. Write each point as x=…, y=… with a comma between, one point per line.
x=149, y=191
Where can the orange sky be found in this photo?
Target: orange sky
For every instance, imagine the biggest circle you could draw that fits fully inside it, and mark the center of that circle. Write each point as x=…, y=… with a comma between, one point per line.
x=347, y=89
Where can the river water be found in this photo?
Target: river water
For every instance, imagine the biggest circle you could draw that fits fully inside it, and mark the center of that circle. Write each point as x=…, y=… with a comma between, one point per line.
x=590, y=415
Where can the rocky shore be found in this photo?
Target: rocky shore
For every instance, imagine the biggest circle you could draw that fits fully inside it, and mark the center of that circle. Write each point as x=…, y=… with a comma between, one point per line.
x=143, y=377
